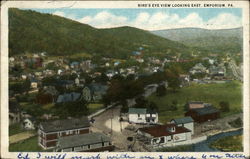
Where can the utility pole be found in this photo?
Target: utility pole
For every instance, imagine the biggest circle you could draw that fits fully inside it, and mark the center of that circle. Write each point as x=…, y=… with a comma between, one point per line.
x=111, y=122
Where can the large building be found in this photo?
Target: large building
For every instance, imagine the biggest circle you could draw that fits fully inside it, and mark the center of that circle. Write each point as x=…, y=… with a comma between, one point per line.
x=203, y=114
x=50, y=132
x=93, y=142
x=142, y=116
x=166, y=135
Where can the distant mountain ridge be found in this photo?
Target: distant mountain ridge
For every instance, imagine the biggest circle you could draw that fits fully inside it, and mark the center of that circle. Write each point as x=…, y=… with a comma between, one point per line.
x=31, y=31
x=226, y=40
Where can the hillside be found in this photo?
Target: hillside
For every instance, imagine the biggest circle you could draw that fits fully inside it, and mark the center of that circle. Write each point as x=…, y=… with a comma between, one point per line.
x=223, y=40
x=31, y=32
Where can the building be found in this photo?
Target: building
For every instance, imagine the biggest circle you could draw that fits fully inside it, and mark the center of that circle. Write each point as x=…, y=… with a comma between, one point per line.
x=198, y=68
x=196, y=104
x=29, y=123
x=50, y=132
x=142, y=116
x=203, y=114
x=166, y=135
x=93, y=142
x=186, y=122
x=68, y=97
x=94, y=92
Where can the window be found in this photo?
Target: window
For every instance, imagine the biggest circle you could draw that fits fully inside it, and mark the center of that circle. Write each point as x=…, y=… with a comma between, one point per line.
x=162, y=140
x=139, y=115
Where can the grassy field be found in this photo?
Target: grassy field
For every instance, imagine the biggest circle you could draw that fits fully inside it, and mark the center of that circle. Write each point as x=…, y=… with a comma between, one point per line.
x=93, y=107
x=28, y=145
x=210, y=93
x=229, y=144
x=15, y=129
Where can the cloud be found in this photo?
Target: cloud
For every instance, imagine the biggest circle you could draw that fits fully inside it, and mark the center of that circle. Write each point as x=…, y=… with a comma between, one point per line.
x=225, y=20
x=104, y=19
x=157, y=20
x=62, y=14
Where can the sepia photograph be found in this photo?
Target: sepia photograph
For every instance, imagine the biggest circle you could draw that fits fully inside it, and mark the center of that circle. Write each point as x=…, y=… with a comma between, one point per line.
x=148, y=77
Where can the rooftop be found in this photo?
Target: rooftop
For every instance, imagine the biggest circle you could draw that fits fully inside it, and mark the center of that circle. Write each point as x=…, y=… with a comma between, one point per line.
x=81, y=140
x=183, y=120
x=162, y=130
x=65, y=124
x=137, y=111
x=206, y=110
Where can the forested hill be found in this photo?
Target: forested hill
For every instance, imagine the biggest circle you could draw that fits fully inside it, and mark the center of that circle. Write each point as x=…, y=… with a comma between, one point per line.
x=221, y=40
x=31, y=32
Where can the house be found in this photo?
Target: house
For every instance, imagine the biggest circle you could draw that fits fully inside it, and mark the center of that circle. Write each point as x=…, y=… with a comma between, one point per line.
x=29, y=123
x=203, y=114
x=94, y=91
x=198, y=68
x=142, y=116
x=14, y=112
x=33, y=83
x=49, y=132
x=93, y=142
x=68, y=97
x=219, y=71
x=186, y=122
x=166, y=135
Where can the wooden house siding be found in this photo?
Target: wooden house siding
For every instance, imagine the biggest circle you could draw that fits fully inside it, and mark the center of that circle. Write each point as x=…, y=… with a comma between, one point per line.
x=84, y=131
x=202, y=118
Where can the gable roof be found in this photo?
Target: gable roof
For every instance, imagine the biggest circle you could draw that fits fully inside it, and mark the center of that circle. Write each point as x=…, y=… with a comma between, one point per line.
x=137, y=111
x=83, y=139
x=97, y=88
x=162, y=130
x=65, y=124
x=206, y=110
x=183, y=120
x=68, y=97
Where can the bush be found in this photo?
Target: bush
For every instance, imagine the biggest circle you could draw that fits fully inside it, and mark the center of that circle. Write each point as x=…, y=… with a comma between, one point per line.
x=161, y=90
x=224, y=106
x=236, y=123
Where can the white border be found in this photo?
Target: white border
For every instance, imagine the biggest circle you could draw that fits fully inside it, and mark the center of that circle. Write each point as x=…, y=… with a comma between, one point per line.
x=111, y=4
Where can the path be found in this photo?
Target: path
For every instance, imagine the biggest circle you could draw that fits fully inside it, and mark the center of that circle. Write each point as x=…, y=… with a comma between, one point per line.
x=21, y=136
x=109, y=124
x=212, y=127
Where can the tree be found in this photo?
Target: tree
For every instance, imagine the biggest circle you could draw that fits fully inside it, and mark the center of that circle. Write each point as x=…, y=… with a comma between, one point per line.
x=161, y=90
x=224, y=106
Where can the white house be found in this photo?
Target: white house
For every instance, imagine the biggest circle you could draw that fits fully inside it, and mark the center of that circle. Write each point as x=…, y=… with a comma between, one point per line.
x=186, y=122
x=142, y=116
x=166, y=135
x=29, y=124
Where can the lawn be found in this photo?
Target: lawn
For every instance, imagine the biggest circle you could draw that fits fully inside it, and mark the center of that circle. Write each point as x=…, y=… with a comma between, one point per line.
x=15, y=129
x=229, y=144
x=209, y=93
x=48, y=106
x=93, y=107
x=28, y=145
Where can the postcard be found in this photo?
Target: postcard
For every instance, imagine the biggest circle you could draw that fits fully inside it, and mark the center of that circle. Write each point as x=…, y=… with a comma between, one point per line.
x=124, y=80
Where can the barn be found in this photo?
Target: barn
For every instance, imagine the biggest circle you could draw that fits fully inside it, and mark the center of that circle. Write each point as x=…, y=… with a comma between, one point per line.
x=203, y=114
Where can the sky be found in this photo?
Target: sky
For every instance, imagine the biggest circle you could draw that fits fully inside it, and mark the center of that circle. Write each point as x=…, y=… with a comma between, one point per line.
x=153, y=19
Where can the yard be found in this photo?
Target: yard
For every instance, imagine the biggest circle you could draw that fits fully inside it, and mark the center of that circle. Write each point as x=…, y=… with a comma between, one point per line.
x=28, y=145
x=93, y=107
x=15, y=129
x=230, y=92
x=229, y=144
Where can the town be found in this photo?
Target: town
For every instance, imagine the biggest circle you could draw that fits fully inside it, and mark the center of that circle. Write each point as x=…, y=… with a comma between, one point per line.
x=74, y=87
x=101, y=107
